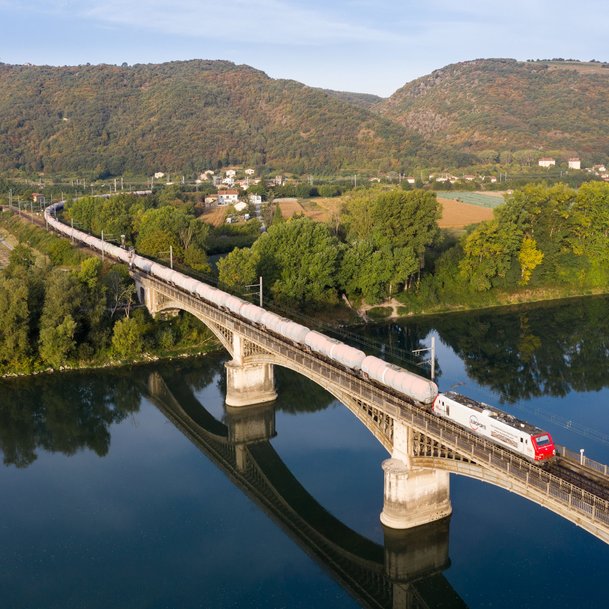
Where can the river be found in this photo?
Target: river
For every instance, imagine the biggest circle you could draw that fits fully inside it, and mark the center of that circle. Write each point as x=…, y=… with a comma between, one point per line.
x=110, y=500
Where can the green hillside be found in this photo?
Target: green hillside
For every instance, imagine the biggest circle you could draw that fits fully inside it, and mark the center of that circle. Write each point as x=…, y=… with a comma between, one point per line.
x=185, y=115
x=506, y=105
x=191, y=115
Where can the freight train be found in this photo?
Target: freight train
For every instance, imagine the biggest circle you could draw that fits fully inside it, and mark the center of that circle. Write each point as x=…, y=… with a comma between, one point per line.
x=484, y=420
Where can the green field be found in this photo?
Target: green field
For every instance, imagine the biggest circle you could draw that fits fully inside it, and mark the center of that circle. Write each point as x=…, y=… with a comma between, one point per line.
x=473, y=198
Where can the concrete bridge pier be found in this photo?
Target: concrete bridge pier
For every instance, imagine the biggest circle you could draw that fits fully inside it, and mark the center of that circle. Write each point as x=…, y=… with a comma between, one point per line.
x=413, y=496
x=248, y=383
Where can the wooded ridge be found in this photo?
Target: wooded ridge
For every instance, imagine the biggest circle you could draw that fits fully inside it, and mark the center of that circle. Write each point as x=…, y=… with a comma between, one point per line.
x=190, y=115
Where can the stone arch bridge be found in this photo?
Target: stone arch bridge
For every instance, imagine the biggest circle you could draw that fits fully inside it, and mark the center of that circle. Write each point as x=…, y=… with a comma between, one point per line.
x=424, y=449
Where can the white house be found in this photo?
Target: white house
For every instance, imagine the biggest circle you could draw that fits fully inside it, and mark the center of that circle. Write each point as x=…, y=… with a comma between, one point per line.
x=230, y=173
x=158, y=175
x=229, y=181
x=228, y=197
x=547, y=161
x=240, y=206
x=575, y=163
x=255, y=199
x=411, y=180
x=249, y=171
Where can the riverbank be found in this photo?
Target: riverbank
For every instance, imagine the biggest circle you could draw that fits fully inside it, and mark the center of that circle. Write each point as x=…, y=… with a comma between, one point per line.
x=142, y=359
x=394, y=309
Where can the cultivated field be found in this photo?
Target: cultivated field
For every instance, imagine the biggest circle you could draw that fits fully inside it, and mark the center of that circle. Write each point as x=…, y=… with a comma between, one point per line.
x=215, y=216
x=455, y=214
x=459, y=215
x=581, y=67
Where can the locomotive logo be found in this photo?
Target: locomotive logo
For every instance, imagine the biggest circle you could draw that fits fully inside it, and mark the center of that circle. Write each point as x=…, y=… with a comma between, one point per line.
x=475, y=424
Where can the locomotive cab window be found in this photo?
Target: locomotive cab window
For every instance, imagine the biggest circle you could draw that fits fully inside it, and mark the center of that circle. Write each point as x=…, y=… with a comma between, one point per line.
x=542, y=440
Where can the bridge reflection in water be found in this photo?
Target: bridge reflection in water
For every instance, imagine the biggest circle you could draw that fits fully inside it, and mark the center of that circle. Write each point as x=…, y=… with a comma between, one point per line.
x=405, y=573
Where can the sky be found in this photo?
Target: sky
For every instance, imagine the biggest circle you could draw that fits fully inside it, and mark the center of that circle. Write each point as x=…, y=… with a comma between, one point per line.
x=368, y=46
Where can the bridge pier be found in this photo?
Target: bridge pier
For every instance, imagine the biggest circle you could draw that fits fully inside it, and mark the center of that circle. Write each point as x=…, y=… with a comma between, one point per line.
x=249, y=384
x=413, y=496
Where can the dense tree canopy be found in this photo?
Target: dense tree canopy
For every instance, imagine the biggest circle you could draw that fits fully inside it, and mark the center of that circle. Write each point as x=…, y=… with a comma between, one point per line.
x=388, y=233
x=298, y=260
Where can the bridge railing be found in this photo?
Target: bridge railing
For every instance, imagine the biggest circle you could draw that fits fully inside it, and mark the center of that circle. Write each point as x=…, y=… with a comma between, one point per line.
x=581, y=459
x=477, y=449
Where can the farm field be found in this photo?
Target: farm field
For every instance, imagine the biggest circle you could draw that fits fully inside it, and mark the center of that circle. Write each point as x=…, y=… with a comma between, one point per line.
x=215, y=215
x=483, y=199
x=5, y=250
x=456, y=214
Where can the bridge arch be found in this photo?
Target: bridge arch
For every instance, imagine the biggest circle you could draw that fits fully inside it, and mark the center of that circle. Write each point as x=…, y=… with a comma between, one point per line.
x=224, y=337
x=375, y=420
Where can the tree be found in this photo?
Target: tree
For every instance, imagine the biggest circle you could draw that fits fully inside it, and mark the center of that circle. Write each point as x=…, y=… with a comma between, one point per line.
x=530, y=258
x=487, y=255
x=239, y=268
x=165, y=227
x=128, y=337
x=399, y=225
x=14, y=322
x=57, y=342
x=299, y=261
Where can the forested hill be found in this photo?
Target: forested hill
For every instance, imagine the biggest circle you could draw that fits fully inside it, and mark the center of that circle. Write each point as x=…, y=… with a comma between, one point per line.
x=191, y=115
x=186, y=115
x=504, y=104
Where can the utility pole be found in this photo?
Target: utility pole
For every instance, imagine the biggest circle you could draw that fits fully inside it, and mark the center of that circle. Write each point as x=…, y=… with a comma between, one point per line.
x=171, y=256
x=259, y=287
x=102, y=240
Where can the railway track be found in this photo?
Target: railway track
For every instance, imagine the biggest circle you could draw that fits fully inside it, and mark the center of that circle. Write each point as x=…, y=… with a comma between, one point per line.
x=585, y=479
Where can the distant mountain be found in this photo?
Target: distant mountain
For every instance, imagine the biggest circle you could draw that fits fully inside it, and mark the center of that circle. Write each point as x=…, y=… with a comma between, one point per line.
x=187, y=115
x=364, y=100
x=190, y=115
x=505, y=104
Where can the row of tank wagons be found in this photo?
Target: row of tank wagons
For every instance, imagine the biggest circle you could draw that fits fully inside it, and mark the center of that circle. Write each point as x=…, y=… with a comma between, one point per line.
x=394, y=377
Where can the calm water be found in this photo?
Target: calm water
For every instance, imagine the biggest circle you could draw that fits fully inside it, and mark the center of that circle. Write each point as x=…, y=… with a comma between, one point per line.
x=125, y=489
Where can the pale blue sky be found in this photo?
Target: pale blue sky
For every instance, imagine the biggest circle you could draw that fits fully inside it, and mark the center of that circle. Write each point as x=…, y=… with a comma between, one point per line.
x=371, y=46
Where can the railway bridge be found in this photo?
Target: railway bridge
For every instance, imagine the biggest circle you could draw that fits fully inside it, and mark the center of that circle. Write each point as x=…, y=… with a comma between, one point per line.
x=424, y=449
